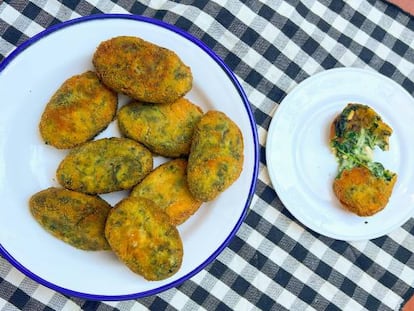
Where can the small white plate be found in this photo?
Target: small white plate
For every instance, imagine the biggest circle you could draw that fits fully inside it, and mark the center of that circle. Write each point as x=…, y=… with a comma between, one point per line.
x=302, y=167
x=28, y=78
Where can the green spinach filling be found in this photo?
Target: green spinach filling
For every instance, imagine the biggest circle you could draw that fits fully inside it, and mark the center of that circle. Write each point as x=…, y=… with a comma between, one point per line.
x=354, y=142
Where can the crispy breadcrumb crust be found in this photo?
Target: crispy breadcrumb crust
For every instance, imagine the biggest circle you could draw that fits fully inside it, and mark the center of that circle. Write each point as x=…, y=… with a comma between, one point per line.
x=362, y=186
x=216, y=157
x=167, y=187
x=142, y=70
x=142, y=236
x=361, y=192
x=80, y=109
x=75, y=218
x=166, y=129
x=105, y=165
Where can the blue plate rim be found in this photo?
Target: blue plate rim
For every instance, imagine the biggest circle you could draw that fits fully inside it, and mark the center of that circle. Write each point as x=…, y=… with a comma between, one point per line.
x=7, y=60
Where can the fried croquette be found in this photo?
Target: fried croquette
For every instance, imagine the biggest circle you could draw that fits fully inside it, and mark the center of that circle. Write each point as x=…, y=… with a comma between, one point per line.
x=142, y=70
x=142, y=236
x=80, y=109
x=166, y=129
x=361, y=192
x=355, y=132
x=105, y=165
x=361, y=185
x=75, y=218
x=216, y=156
x=361, y=118
x=167, y=187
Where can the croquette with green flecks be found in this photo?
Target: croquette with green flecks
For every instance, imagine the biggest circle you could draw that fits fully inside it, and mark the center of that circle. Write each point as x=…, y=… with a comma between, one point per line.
x=75, y=218
x=105, y=165
x=362, y=192
x=167, y=187
x=142, y=70
x=166, y=129
x=355, y=132
x=80, y=109
x=144, y=239
x=216, y=156
x=362, y=185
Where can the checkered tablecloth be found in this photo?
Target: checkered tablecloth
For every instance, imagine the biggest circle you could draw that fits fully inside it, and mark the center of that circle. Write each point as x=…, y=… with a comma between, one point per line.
x=273, y=262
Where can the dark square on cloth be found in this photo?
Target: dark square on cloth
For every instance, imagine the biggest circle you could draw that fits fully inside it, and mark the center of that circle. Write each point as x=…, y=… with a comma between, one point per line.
x=19, y=298
x=13, y=35
x=199, y=295
x=32, y=11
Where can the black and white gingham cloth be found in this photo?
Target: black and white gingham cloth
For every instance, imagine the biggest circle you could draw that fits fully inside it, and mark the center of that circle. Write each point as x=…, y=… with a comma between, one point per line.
x=273, y=263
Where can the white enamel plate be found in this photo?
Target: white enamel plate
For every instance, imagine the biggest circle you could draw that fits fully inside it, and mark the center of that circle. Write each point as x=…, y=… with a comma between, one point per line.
x=28, y=78
x=302, y=167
